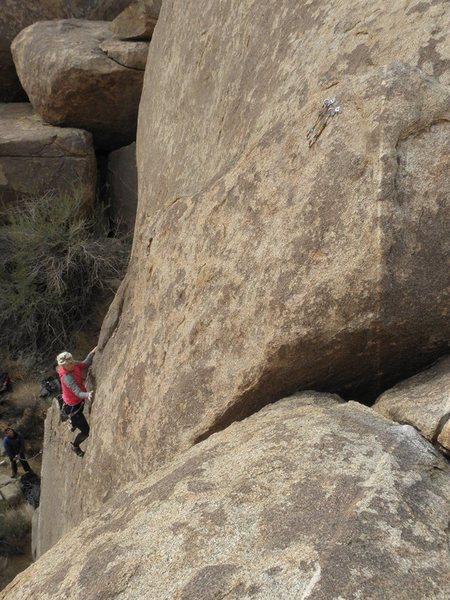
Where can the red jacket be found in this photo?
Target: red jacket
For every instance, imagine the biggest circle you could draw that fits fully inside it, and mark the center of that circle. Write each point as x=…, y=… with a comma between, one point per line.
x=68, y=396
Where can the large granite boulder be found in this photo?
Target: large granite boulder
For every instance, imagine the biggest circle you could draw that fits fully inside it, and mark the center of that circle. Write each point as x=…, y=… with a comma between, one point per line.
x=122, y=187
x=294, y=268
x=422, y=401
x=76, y=75
x=261, y=265
x=137, y=21
x=307, y=499
x=16, y=15
x=37, y=158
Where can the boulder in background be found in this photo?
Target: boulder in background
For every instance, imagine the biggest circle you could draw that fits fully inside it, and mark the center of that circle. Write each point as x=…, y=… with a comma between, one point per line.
x=422, y=401
x=37, y=158
x=131, y=55
x=15, y=15
x=10, y=493
x=138, y=21
x=72, y=82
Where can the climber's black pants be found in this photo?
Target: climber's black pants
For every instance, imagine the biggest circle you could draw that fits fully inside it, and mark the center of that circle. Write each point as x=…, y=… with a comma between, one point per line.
x=78, y=421
x=23, y=462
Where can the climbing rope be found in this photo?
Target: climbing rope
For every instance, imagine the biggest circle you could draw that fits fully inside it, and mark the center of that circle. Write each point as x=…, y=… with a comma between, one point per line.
x=28, y=457
x=3, y=462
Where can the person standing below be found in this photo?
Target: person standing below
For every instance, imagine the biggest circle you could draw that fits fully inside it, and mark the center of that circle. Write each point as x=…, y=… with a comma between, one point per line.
x=13, y=444
x=74, y=393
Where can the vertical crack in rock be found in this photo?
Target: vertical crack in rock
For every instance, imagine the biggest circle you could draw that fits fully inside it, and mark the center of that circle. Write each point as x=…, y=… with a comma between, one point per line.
x=112, y=319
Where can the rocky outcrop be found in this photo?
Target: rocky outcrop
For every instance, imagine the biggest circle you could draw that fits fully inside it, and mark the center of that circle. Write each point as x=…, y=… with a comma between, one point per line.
x=122, y=187
x=59, y=472
x=422, y=401
x=83, y=78
x=10, y=492
x=132, y=56
x=15, y=16
x=307, y=499
x=37, y=158
x=261, y=265
x=137, y=21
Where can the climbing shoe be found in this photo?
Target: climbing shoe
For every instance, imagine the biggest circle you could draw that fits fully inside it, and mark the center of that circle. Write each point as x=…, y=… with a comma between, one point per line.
x=78, y=451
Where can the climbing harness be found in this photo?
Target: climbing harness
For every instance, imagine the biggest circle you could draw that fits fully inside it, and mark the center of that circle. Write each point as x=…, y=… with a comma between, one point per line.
x=326, y=113
x=64, y=413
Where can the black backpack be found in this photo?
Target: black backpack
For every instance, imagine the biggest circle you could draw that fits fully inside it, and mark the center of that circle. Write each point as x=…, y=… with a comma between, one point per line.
x=50, y=387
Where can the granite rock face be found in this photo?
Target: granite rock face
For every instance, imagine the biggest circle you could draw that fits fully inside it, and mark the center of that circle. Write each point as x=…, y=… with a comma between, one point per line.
x=131, y=55
x=122, y=186
x=37, y=158
x=261, y=265
x=16, y=15
x=137, y=21
x=61, y=472
x=443, y=438
x=295, y=268
x=307, y=499
x=230, y=69
x=422, y=401
x=76, y=75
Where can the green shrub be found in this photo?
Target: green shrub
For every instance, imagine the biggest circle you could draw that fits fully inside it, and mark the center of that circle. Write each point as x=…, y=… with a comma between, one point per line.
x=56, y=263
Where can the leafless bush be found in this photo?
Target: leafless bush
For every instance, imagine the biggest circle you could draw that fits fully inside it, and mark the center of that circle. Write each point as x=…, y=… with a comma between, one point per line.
x=56, y=263
x=15, y=525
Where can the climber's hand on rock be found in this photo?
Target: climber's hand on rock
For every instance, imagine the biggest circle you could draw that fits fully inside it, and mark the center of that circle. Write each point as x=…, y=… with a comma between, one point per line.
x=91, y=396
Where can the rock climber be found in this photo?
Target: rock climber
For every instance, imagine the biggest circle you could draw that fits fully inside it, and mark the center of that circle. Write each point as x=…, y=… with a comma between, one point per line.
x=14, y=446
x=74, y=393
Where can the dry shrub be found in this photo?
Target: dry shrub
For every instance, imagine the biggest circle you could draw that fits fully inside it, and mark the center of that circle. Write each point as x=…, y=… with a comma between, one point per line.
x=56, y=264
x=15, y=525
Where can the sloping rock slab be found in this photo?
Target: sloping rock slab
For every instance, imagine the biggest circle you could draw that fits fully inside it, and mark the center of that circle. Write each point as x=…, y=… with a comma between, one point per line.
x=71, y=81
x=15, y=15
x=296, y=268
x=422, y=401
x=272, y=266
x=38, y=158
x=137, y=21
x=307, y=499
x=260, y=265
